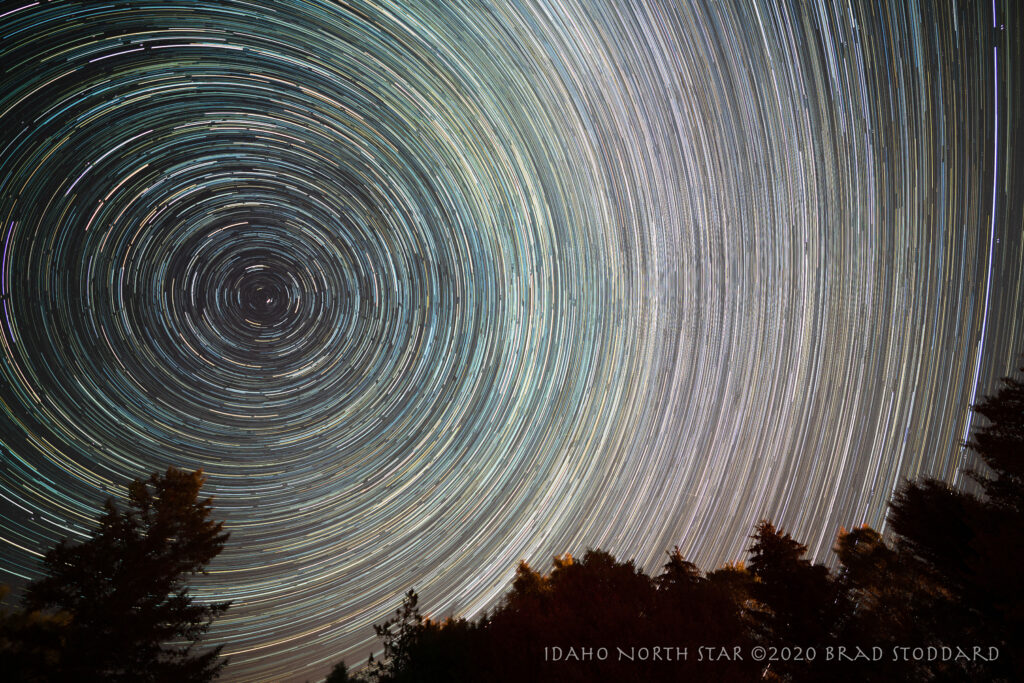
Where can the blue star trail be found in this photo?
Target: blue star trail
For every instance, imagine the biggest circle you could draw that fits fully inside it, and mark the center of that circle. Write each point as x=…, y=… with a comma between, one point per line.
x=429, y=288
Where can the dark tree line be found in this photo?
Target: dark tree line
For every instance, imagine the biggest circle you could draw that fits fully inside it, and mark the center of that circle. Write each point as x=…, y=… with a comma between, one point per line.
x=117, y=606
x=912, y=608
x=939, y=601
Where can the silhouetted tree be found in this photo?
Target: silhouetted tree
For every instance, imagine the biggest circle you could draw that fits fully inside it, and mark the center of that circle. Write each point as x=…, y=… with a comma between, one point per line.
x=734, y=581
x=552, y=627
x=970, y=545
x=31, y=643
x=339, y=674
x=892, y=599
x=127, y=611
x=558, y=622
x=398, y=635
x=799, y=604
x=694, y=611
x=600, y=600
x=449, y=650
x=1000, y=444
x=950, y=579
x=678, y=572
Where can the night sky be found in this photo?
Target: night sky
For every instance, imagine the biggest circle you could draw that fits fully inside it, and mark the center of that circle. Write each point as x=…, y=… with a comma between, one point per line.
x=426, y=290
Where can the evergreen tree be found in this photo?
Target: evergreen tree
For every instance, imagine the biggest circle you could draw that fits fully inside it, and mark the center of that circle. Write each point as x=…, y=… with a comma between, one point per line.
x=399, y=636
x=339, y=674
x=950, y=579
x=892, y=602
x=31, y=643
x=970, y=545
x=129, y=613
x=1000, y=444
x=799, y=604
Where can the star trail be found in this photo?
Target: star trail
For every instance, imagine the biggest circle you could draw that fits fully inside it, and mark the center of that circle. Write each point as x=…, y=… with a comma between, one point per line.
x=430, y=288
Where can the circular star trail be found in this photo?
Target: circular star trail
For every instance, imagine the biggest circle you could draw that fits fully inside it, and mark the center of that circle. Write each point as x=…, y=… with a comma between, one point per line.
x=429, y=288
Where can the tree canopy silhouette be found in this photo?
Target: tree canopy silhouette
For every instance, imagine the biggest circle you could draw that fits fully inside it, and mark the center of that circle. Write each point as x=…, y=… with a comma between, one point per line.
x=947, y=579
x=117, y=607
x=798, y=603
x=121, y=597
x=970, y=546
